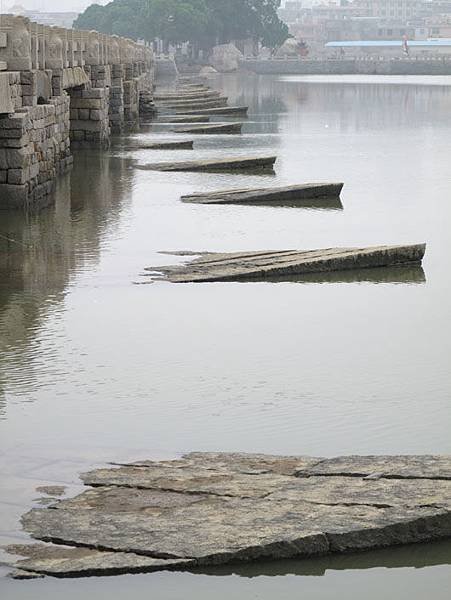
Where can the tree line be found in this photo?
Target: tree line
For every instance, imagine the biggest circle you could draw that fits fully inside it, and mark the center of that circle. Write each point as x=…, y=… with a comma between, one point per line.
x=204, y=23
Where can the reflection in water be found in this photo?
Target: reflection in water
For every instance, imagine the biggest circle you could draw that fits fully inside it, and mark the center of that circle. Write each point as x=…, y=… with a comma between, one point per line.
x=405, y=274
x=40, y=252
x=318, y=203
x=414, y=555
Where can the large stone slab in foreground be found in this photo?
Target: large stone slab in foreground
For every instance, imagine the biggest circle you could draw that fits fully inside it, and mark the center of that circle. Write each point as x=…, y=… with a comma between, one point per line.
x=249, y=266
x=287, y=194
x=254, y=163
x=216, y=508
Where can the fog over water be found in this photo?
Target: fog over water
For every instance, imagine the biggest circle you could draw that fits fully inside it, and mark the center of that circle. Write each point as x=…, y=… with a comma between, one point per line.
x=94, y=368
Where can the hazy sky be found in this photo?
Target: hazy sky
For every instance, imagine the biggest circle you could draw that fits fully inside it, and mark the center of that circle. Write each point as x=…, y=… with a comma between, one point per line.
x=50, y=5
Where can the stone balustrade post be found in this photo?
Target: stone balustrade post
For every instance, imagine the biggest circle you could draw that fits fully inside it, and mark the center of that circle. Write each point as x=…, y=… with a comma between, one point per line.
x=17, y=51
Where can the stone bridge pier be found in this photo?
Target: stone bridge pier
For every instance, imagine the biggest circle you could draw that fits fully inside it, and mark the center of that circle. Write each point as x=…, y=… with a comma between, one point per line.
x=62, y=89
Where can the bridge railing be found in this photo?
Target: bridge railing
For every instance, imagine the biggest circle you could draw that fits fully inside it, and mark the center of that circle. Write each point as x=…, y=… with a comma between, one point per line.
x=26, y=46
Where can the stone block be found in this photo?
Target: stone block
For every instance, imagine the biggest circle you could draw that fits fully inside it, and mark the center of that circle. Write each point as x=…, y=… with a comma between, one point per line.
x=93, y=94
x=14, y=158
x=86, y=125
x=96, y=115
x=18, y=176
x=86, y=103
x=6, y=103
x=13, y=196
x=83, y=114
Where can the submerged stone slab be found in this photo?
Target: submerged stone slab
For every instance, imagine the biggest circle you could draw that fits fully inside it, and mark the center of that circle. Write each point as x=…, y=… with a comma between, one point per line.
x=215, y=508
x=186, y=95
x=255, y=163
x=289, y=194
x=59, y=561
x=192, y=104
x=211, y=129
x=248, y=266
x=172, y=145
x=183, y=119
x=225, y=110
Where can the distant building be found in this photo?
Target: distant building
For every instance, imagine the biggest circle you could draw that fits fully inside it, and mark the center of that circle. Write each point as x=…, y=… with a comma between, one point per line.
x=401, y=10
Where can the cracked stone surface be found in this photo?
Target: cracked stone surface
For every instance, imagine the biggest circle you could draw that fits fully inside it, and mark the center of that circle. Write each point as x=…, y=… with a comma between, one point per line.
x=249, y=266
x=214, y=508
x=59, y=561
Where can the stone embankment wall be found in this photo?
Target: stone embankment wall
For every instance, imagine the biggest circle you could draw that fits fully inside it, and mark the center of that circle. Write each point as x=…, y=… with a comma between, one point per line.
x=62, y=89
x=349, y=67
x=34, y=148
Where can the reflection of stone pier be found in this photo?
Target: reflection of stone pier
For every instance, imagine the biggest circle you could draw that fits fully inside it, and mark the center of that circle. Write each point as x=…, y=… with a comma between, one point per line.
x=61, y=89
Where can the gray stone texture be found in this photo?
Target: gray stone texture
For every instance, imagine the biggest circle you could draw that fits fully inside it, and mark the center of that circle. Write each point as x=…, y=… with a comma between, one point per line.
x=250, y=266
x=215, y=508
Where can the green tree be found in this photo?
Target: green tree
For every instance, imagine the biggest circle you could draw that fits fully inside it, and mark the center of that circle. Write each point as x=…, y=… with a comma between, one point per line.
x=205, y=23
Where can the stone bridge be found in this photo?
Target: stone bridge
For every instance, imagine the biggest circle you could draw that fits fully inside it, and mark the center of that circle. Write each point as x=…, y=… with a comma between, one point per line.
x=60, y=89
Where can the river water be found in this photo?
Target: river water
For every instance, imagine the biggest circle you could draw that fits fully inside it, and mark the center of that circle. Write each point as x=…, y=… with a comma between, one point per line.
x=94, y=368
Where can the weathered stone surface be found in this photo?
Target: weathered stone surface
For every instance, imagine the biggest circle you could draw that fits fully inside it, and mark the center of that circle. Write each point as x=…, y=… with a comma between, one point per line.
x=226, y=110
x=59, y=561
x=407, y=467
x=6, y=103
x=226, y=164
x=188, y=95
x=183, y=119
x=143, y=145
x=192, y=104
x=289, y=194
x=267, y=264
x=224, y=128
x=52, y=490
x=214, y=508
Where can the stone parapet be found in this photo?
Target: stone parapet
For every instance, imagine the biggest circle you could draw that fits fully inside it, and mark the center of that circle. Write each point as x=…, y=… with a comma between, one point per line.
x=28, y=46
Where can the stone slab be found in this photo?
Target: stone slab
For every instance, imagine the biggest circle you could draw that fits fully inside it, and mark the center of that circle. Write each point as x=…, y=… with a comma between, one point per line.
x=6, y=103
x=225, y=110
x=182, y=119
x=191, y=104
x=289, y=194
x=249, y=266
x=256, y=163
x=195, y=95
x=223, y=128
x=59, y=561
x=182, y=145
x=216, y=508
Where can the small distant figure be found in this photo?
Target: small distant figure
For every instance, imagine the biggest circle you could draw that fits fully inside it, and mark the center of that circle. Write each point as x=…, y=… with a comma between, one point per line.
x=405, y=45
x=303, y=49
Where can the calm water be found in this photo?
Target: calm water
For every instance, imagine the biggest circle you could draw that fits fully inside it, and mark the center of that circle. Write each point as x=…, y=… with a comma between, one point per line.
x=94, y=368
